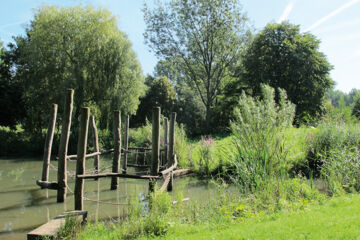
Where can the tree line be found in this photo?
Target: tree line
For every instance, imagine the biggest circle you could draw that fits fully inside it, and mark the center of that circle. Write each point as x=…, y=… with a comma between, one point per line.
x=208, y=55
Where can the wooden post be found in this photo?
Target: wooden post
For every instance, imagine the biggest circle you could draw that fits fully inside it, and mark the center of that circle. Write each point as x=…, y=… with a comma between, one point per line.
x=170, y=185
x=155, y=146
x=155, y=141
x=172, y=139
x=166, y=141
x=126, y=142
x=96, y=144
x=63, y=147
x=117, y=149
x=48, y=144
x=81, y=153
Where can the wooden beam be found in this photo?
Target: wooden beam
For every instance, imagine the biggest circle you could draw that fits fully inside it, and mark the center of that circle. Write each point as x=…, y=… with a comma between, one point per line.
x=80, y=163
x=63, y=147
x=172, y=168
x=118, y=175
x=48, y=143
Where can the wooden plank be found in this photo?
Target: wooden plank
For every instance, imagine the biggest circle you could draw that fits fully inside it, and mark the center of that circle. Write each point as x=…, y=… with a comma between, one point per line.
x=182, y=172
x=119, y=175
x=50, y=229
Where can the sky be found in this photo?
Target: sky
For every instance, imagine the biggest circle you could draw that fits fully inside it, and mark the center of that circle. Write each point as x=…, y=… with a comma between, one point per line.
x=335, y=22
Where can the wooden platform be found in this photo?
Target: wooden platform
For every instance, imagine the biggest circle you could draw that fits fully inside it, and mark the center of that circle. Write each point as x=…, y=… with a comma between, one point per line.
x=50, y=229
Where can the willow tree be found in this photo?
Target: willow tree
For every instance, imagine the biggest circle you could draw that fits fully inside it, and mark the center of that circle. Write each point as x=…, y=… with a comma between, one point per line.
x=205, y=37
x=80, y=48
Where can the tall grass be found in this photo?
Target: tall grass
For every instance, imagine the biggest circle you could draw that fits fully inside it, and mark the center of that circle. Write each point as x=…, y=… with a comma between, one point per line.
x=260, y=151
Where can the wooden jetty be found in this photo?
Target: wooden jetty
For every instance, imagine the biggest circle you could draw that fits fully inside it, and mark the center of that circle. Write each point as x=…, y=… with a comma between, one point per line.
x=167, y=164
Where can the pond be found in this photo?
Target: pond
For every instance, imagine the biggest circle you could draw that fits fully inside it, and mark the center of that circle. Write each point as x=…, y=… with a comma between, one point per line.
x=24, y=206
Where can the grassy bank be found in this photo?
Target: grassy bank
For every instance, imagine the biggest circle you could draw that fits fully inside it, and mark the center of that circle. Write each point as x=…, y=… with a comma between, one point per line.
x=337, y=218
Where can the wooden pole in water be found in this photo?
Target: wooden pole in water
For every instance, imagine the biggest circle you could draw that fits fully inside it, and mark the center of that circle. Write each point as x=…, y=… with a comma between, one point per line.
x=126, y=142
x=96, y=144
x=117, y=149
x=171, y=148
x=155, y=160
x=48, y=144
x=172, y=139
x=63, y=147
x=81, y=152
x=166, y=141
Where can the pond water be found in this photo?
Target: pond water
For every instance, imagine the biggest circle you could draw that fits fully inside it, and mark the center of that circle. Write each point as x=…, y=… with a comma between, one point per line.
x=24, y=206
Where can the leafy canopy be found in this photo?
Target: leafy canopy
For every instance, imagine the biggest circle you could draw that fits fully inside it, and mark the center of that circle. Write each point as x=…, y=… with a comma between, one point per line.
x=283, y=57
x=203, y=38
x=80, y=48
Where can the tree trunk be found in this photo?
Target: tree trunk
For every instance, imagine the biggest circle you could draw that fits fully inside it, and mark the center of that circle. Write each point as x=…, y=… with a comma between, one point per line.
x=207, y=119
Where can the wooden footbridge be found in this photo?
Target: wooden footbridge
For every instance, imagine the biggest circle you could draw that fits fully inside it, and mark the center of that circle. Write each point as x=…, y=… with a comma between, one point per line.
x=163, y=164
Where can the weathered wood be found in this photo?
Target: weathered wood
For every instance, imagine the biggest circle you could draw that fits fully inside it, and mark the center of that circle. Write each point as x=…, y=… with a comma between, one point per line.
x=138, y=165
x=155, y=141
x=166, y=141
x=48, y=185
x=63, y=147
x=182, y=172
x=69, y=157
x=117, y=149
x=50, y=229
x=171, y=182
x=172, y=139
x=96, y=144
x=171, y=168
x=117, y=175
x=81, y=152
x=48, y=143
x=165, y=184
x=126, y=142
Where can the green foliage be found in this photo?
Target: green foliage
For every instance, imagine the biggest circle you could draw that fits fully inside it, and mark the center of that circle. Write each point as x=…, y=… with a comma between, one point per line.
x=203, y=38
x=70, y=230
x=12, y=107
x=160, y=94
x=341, y=169
x=356, y=108
x=330, y=138
x=80, y=48
x=260, y=151
x=283, y=57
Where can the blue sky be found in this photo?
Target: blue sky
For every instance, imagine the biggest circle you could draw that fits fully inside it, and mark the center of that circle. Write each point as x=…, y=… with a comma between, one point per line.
x=335, y=22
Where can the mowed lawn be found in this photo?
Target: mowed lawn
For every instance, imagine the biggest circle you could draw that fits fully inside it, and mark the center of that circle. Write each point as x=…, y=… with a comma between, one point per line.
x=338, y=218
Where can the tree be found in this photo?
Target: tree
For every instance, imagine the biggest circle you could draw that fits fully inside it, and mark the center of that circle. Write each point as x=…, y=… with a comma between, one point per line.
x=356, y=108
x=159, y=94
x=79, y=48
x=283, y=57
x=11, y=110
x=204, y=37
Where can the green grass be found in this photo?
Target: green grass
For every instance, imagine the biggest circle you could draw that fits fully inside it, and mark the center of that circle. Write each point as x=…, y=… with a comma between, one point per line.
x=338, y=218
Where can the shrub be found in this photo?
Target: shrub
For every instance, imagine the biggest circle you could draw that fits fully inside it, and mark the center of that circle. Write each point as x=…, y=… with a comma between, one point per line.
x=259, y=147
x=341, y=169
x=330, y=138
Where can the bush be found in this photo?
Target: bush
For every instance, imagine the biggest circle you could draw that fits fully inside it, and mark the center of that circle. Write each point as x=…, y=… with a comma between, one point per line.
x=260, y=151
x=341, y=169
x=330, y=138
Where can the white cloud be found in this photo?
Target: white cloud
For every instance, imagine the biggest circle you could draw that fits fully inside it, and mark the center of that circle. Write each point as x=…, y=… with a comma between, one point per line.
x=287, y=11
x=332, y=14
